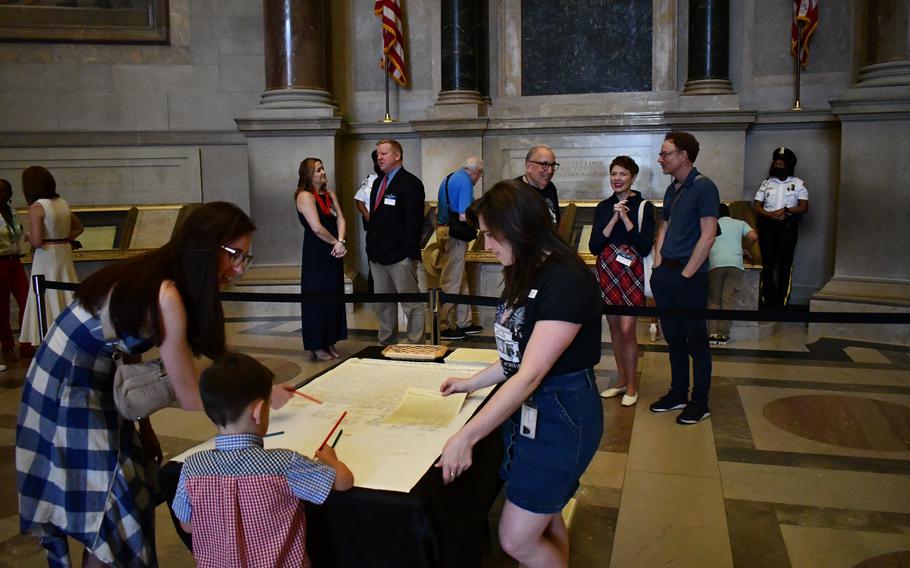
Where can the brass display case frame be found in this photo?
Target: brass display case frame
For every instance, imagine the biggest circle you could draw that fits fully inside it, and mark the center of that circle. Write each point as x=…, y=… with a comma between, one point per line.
x=131, y=213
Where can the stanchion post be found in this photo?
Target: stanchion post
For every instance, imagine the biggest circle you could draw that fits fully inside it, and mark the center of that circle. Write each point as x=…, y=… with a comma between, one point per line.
x=38, y=288
x=434, y=309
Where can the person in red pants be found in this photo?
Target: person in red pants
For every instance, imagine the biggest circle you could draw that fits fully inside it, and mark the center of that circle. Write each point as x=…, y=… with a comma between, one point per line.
x=12, y=276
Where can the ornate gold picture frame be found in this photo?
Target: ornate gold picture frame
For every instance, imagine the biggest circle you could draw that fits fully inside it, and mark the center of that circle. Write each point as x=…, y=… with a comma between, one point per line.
x=84, y=21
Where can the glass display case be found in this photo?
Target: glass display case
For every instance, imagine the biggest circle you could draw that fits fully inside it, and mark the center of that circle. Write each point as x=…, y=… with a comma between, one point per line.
x=577, y=220
x=120, y=231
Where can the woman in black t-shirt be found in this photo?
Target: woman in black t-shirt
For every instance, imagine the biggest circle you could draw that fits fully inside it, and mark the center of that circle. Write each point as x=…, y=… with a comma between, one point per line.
x=547, y=330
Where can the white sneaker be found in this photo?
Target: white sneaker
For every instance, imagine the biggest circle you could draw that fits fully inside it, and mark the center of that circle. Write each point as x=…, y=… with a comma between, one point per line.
x=613, y=391
x=2, y=367
x=629, y=400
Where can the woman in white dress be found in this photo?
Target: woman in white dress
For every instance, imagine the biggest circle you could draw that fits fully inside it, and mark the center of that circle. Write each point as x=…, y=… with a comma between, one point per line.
x=52, y=227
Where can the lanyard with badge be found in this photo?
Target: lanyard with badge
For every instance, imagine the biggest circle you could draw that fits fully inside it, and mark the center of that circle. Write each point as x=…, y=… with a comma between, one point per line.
x=509, y=351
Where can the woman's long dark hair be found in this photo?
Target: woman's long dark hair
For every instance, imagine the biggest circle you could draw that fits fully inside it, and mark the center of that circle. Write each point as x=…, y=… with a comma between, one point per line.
x=191, y=260
x=519, y=216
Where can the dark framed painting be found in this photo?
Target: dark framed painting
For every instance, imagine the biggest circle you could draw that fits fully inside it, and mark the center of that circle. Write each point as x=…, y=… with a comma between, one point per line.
x=84, y=21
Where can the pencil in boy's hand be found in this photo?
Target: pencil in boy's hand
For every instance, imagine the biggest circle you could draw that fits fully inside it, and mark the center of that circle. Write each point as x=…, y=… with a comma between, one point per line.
x=332, y=431
x=338, y=437
x=306, y=396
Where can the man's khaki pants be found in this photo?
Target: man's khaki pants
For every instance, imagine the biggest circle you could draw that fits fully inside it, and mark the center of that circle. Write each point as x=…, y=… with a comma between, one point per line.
x=398, y=278
x=452, y=280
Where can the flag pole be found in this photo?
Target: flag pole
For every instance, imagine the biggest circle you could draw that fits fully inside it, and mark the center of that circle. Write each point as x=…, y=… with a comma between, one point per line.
x=799, y=56
x=388, y=118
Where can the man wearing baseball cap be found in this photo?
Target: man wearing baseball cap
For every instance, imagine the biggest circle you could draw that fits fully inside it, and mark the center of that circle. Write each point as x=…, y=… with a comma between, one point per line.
x=780, y=203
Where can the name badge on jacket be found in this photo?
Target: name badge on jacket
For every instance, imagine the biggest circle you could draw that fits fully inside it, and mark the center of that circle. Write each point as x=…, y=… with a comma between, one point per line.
x=389, y=200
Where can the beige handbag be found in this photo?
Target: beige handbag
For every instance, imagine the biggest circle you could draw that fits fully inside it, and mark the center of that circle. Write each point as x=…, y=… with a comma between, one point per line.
x=139, y=388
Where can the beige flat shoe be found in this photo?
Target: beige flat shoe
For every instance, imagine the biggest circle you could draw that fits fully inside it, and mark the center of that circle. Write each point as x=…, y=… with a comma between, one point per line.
x=629, y=400
x=613, y=391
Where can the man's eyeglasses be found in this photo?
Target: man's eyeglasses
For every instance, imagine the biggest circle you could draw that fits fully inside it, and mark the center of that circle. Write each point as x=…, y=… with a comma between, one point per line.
x=238, y=257
x=546, y=165
x=666, y=155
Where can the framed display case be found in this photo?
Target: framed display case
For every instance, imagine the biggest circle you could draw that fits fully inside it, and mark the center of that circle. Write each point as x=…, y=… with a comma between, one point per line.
x=120, y=231
x=577, y=220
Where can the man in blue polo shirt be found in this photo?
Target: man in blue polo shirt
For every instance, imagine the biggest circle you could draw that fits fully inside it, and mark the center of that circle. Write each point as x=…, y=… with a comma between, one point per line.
x=456, y=193
x=679, y=278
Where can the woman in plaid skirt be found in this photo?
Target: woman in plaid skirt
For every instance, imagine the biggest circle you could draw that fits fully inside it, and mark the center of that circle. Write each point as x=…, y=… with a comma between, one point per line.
x=83, y=471
x=620, y=245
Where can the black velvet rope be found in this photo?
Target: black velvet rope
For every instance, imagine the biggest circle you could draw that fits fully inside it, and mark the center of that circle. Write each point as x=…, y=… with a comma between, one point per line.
x=887, y=318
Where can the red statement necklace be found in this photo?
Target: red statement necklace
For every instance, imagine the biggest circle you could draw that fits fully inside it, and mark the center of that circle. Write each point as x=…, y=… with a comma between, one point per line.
x=324, y=206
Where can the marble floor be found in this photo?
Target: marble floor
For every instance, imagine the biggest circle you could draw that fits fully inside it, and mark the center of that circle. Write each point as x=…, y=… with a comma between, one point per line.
x=805, y=461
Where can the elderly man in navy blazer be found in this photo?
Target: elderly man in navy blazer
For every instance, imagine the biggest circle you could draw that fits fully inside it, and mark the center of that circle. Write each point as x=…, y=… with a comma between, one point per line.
x=393, y=241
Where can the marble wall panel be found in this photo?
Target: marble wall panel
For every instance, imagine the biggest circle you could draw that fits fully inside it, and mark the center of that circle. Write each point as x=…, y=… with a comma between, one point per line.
x=36, y=112
x=163, y=79
x=112, y=112
x=111, y=176
x=585, y=46
x=54, y=77
x=141, y=88
x=241, y=73
x=203, y=32
x=872, y=235
x=239, y=27
x=225, y=175
x=207, y=111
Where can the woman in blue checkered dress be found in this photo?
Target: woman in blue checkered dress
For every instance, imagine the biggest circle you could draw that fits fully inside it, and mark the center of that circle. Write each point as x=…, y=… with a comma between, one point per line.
x=82, y=470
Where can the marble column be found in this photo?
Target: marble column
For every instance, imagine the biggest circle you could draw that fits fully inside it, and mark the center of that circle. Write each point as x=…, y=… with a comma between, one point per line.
x=709, y=48
x=871, y=264
x=296, y=117
x=887, y=53
x=296, y=62
x=464, y=28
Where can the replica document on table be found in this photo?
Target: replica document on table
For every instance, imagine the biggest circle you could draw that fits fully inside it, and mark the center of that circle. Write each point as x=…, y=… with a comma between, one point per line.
x=395, y=425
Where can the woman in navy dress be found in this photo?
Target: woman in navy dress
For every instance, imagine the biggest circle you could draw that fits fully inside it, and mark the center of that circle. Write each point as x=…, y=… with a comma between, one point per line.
x=322, y=260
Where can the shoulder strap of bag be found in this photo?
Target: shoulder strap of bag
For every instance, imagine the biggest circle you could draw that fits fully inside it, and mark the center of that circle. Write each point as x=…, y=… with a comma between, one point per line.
x=448, y=209
x=641, y=212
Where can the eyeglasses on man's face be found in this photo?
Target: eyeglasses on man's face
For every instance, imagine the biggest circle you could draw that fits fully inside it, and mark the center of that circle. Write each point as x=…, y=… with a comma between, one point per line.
x=667, y=154
x=238, y=257
x=546, y=165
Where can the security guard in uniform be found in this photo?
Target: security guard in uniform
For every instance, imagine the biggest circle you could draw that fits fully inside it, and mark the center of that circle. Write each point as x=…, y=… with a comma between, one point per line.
x=780, y=203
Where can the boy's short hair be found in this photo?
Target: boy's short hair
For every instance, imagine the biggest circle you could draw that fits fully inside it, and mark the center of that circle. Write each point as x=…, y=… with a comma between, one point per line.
x=230, y=384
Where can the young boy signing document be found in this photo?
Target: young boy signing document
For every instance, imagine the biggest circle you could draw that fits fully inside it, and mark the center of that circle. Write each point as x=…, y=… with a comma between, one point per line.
x=243, y=503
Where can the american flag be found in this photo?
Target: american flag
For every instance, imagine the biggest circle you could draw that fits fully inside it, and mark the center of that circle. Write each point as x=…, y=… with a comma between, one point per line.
x=392, y=39
x=805, y=11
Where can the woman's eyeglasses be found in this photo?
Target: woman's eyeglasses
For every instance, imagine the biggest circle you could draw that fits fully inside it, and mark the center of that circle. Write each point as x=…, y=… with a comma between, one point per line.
x=238, y=257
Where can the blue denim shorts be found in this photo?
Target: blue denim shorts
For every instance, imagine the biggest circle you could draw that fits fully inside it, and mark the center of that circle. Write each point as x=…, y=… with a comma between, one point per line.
x=542, y=474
